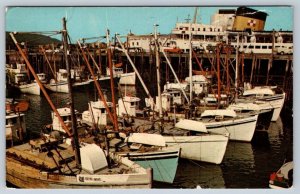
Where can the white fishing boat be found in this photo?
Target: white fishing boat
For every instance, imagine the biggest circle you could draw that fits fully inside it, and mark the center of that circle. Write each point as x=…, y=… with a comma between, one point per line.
x=60, y=84
x=150, y=151
x=199, y=83
x=96, y=114
x=18, y=78
x=266, y=96
x=220, y=121
x=15, y=127
x=264, y=113
x=283, y=178
x=125, y=78
x=49, y=164
x=196, y=142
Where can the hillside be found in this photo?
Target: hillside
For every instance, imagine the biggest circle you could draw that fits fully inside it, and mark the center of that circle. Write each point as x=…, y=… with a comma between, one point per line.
x=31, y=39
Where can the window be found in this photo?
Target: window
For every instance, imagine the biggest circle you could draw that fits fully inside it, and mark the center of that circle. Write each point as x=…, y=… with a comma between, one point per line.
x=132, y=43
x=264, y=47
x=204, y=29
x=251, y=47
x=257, y=47
x=137, y=43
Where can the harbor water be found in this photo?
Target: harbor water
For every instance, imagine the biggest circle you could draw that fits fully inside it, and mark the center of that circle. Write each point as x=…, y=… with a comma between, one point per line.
x=245, y=165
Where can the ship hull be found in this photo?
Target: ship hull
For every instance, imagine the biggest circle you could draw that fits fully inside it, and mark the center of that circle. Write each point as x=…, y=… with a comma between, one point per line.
x=206, y=148
x=163, y=163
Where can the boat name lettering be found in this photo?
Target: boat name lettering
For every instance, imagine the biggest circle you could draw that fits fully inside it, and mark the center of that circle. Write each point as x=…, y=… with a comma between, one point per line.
x=88, y=179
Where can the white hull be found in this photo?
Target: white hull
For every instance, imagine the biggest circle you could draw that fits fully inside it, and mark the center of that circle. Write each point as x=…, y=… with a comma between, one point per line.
x=32, y=88
x=127, y=78
x=58, y=87
x=275, y=102
x=205, y=148
x=239, y=129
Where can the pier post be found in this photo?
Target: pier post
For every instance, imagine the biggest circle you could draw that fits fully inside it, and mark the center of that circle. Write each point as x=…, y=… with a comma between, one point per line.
x=269, y=67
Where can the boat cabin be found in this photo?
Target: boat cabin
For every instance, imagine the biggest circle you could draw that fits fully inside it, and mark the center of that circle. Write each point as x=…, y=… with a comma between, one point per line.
x=15, y=126
x=128, y=105
x=21, y=78
x=96, y=114
x=65, y=114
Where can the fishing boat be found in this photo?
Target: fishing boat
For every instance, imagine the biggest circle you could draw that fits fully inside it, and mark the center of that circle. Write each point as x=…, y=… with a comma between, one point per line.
x=220, y=121
x=264, y=113
x=65, y=114
x=283, y=178
x=60, y=84
x=266, y=96
x=128, y=105
x=125, y=78
x=96, y=114
x=47, y=163
x=18, y=78
x=150, y=151
x=196, y=142
x=15, y=127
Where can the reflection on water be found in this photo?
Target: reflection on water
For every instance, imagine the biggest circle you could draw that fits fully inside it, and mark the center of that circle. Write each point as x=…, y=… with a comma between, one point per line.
x=245, y=165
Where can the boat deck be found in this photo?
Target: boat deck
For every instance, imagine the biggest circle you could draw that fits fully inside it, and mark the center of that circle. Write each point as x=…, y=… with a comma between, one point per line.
x=37, y=155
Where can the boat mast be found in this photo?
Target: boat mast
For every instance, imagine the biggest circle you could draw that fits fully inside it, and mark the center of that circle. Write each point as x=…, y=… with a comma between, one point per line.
x=111, y=81
x=218, y=73
x=190, y=64
x=237, y=67
x=157, y=72
x=73, y=117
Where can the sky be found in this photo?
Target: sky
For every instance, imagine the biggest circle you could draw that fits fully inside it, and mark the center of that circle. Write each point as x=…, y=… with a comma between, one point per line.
x=85, y=22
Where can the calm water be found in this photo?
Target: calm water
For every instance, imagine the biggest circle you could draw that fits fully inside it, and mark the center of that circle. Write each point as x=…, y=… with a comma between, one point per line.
x=246, y=165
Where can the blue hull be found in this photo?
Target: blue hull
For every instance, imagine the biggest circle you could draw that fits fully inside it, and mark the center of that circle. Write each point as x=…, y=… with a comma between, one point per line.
x=163, y=163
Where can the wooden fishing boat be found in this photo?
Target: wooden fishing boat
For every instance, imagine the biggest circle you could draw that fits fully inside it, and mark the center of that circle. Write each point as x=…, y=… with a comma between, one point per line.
x=47, y=163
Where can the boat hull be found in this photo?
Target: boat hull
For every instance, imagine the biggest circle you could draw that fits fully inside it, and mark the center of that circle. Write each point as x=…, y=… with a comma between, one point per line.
x=276, y=102
x=163, y=163
x=239, y=129
x=58, y=87
x=32, y=88
x=25, y=176
x=205, y=148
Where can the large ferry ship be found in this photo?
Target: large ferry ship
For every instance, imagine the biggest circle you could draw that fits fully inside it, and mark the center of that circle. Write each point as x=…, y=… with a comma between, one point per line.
x=242, y=28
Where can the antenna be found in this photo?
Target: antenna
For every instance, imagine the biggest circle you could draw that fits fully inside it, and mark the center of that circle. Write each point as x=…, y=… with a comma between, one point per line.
x=188, y=19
